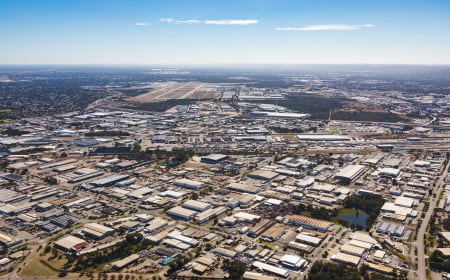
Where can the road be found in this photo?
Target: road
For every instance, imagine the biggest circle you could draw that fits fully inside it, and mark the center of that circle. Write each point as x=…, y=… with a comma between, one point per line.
x=329, y=241
x=421, y=266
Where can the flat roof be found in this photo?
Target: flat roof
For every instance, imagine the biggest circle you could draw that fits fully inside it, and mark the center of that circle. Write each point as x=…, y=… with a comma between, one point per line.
x=346, y=258
x=322, y=137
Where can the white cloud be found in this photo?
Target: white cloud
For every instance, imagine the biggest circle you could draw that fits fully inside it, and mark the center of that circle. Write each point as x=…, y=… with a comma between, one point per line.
x=142, y=24
x=212, y=22
x=231, y=22
x=171, y=20
x=338, y=27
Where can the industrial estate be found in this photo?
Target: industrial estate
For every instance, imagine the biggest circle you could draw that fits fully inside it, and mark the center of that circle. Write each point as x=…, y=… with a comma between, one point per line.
x=226, y=187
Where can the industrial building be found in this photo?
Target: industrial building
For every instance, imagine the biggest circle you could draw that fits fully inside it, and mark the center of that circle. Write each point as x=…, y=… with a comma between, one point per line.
x=388, y=172
x=96, y=231
x=260, y=227
x=109, y=181
x=271, y=269
x=156, y=225
x=322, y=137
x=346, y=258
x=214, y=158
x=209, y=214
x=263, y=175
x=293, y=262
x=189, y=184
x=181, y=213
x=177, y=235
x=307, y=222
x=390, y=229
x=352, y=250
x=196, y=205
x=350, y=172
x=243, y=188
x=70, y=244
x=118, y=265
x=308, y=239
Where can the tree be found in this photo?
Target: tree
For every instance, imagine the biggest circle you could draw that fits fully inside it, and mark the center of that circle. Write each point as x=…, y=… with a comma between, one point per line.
x=235, y=269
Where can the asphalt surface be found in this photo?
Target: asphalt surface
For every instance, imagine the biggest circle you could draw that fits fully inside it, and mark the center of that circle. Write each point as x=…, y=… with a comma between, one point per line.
x=420, y=243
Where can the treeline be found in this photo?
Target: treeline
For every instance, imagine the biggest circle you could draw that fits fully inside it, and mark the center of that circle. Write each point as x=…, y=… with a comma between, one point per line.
x=172, y=158
x=279, y=129
x=107, y=133
x=322, y=270
x=321, y=213
x=235, y=268
x=369, y=203
x=439, y=261
x=132, y=244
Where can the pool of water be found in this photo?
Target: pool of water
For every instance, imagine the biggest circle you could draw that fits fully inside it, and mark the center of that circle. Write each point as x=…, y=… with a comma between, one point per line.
x=357, y=218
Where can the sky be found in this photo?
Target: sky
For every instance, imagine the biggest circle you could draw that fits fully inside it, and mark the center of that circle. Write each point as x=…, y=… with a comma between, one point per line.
x=198, y=32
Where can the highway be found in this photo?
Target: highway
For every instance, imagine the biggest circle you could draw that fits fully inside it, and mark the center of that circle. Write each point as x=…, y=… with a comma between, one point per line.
x=421, y=266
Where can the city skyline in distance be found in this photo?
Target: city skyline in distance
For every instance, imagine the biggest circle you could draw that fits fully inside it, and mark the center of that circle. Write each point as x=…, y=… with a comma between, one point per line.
x=234, y=32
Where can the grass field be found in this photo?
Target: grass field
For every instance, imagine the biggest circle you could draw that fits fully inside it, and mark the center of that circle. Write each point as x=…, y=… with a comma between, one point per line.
x=36, y=267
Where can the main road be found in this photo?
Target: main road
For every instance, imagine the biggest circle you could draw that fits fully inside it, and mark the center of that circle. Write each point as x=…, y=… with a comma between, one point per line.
x=421, y=266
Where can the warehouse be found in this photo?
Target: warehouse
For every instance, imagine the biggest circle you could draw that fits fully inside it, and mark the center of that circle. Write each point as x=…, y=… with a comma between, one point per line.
x=374, y=159
x=305, y=182
x=263, y=175
x=308, y=239
x=196, y=205
x=273, y=233
x=346, y=258
x=243, y=188
x=246, y=217
x=260, y=227
x=361, y=244
x=294, y=162
x=109, y=181
x=404, y=202
x=224, y=252
x=293, y=262
x=391, y=229
x=300, y=247
x=379, y=255
x=322, y=187
x=307, y=222
x=181, y=213
x=271, y=269
x=399, y=211
x=156, y=225
x=171, y=242
x=214, y=158
x=287, y=172
x=10, y=196
x=322, y=137
x=248, y=275
x=173, y=194
x=5, y=239
x=118, y=265
x=70, y=244
x=350, y=172
x=140, y=193
x=209, y=214
x=96, y=231
x=352, y=250
x=179, y=236
x=389, y=172
x=189, y=184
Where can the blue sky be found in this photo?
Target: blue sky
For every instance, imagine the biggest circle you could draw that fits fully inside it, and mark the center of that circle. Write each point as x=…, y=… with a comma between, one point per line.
x=224, y=31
